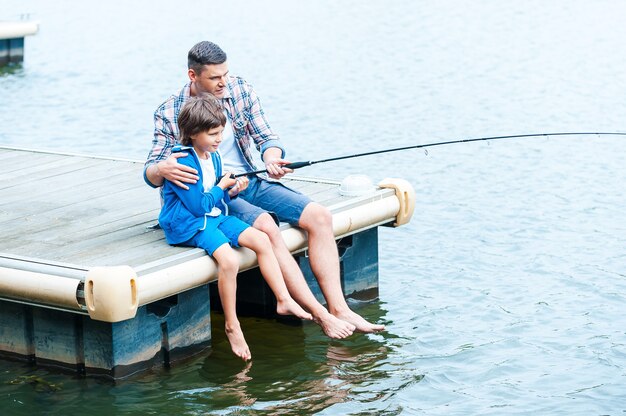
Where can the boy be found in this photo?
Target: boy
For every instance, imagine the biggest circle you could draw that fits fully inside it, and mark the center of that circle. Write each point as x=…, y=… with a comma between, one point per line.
x=197, y=216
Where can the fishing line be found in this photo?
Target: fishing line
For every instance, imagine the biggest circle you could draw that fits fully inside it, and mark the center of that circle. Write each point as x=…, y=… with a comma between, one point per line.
x=297, y=165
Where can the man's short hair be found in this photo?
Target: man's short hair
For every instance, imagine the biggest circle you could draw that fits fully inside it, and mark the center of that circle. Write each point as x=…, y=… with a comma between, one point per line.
x=200, y=114
x=205, y=53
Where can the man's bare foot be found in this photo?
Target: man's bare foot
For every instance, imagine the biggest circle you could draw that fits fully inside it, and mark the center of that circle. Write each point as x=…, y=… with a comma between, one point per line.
x=334, y=327
x=360, y=324
x=290, y=307
x=237, y=341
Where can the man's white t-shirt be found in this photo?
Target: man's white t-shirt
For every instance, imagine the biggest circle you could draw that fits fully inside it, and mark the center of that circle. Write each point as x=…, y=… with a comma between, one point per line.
x=232, y=158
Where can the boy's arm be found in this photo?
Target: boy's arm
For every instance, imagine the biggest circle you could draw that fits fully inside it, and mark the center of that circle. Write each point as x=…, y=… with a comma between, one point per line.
x=196, y=200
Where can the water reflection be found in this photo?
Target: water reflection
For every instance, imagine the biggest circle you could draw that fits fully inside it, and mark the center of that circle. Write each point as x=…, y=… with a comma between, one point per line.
x=11, y=69
x=296, y=369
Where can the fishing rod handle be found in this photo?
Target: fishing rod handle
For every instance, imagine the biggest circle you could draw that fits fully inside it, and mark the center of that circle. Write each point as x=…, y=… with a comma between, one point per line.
x=297, y=165
x=293, y=165
x=232, y=176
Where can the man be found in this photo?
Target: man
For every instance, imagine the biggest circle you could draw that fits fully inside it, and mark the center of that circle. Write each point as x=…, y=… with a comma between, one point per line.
x=246, y=122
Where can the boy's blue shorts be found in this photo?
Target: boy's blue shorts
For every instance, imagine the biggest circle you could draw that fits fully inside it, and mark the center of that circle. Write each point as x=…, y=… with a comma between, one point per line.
x=219, y=230
x=282, y=203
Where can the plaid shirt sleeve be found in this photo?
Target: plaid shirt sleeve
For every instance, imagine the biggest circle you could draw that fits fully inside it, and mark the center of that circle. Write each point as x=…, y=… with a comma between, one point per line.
x=247, y=103
x=165, y=132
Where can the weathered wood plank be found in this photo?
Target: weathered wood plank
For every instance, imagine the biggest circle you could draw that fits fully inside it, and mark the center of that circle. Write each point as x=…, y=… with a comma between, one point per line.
x=60, y=237
x=6, y=154
x=67, y=185
x=83, y=202
x=116, y=241
x=20, y=161
x=138, y=252
x=29, y=171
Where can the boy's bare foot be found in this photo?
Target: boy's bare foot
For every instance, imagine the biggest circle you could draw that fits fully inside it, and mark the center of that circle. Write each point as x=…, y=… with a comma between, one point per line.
x=361, y=325
x=290, y=307
x=238, y=342
x=334, y=327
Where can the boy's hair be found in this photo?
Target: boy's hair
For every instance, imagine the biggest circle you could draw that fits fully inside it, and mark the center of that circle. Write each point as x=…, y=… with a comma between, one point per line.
x=205, y=53
x=199, y=114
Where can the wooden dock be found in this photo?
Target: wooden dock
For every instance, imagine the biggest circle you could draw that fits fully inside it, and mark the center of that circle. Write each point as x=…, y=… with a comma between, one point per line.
x=87, y=280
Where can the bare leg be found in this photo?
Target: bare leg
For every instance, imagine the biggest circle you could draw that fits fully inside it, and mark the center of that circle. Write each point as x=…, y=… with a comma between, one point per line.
x=228, y=267
x=296, y=284
x=260, y=244
x=324, y=258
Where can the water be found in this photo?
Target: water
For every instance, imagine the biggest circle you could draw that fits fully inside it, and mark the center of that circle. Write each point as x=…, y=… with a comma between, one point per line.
x=506, y=292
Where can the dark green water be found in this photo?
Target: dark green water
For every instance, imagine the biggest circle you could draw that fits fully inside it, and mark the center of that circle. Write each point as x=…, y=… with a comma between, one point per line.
x=295, y=370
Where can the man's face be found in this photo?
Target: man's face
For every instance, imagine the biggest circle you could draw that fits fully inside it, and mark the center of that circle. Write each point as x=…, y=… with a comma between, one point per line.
x=212, y=79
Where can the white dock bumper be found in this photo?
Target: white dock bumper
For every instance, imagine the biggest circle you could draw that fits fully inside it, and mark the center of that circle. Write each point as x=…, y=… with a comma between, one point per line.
x=35, y=287
x=13, y=30
x=406, y=198
x=111, y=293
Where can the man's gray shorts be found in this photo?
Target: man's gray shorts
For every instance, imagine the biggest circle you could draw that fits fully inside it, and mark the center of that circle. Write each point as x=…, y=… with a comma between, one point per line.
x=283, y=203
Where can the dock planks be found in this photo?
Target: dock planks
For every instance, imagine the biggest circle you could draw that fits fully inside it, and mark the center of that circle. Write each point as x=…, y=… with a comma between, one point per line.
x=92, y=211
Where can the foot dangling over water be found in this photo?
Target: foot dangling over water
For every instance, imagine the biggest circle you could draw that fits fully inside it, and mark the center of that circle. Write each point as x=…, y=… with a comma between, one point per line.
x=334, y=327
x=290, y=307
x=360, y=324
x=237, y=341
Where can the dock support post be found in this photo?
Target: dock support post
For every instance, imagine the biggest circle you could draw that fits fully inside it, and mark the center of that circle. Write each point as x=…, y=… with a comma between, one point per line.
x=161, y=332
x=11, y=51
x=16, y=330
x=358, y=262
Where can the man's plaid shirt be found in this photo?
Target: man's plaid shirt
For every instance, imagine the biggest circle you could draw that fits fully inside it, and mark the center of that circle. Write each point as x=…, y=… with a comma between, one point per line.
x=244, y=111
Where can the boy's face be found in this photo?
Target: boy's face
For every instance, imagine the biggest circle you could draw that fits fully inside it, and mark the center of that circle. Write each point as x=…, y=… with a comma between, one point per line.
x=212, y=79
x=207, y=141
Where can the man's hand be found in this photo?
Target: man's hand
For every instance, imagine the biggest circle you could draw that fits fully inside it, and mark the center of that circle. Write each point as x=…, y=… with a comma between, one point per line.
x=275, y=164
x=175, y=172
x=276, y=168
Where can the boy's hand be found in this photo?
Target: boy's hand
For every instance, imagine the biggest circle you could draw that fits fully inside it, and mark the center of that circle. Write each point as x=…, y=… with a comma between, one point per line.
x=242, y=184
x=227, y=180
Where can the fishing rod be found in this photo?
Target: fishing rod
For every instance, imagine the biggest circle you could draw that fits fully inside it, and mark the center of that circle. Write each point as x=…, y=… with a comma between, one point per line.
x=297, y=165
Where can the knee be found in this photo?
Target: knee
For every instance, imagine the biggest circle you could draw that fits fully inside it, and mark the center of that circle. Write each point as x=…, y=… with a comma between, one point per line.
x=229, y=263
x=259, y=242
x=266, y=224
x=316, y=217
x=263, y=239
